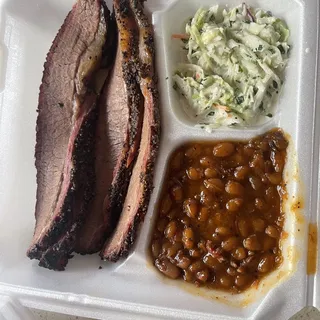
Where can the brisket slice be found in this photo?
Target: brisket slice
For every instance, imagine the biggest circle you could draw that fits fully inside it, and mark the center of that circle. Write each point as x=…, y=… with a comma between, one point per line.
x=140, y=186
x=66, y=116
x=117, y=141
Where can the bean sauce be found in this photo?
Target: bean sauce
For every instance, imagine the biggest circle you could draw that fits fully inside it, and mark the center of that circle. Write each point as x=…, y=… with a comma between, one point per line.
x=220, y=216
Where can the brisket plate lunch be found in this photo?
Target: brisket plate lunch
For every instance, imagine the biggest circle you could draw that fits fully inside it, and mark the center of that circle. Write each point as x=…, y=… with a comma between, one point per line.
x=97, y=134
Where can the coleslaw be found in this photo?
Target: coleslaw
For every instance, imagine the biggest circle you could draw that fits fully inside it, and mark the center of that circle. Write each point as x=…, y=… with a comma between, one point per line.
x=236, y=60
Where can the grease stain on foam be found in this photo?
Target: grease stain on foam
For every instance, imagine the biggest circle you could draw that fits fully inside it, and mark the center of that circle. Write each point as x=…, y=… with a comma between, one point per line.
x=299, y=221
x=284, y=235
x=312, y=249
x=297, y=205
x=293, y=257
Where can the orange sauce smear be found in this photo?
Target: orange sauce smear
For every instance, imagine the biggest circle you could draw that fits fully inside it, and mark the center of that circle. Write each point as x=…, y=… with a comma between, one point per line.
x=312, y=249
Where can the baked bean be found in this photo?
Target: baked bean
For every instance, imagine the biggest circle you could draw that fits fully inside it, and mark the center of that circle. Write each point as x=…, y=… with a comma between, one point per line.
x=258, y=225
x=277, y=161
x=186, y=221
x=255, y=182
x=188, y=276
x=195, y=253
x=275, y=251
x=233, y=264
x=190, y=207
x=202, y=245
x=171, y=229
x=203, y=214
x=165, y=205
x=234, y=188
x=182, y=261
x=264, y=145
x=156, y=248
x=188, y=238
x=178, y=236
x=202, y=275
x=223, y=231
x=211, y=173
x=216, y=237
x=260, y=204
x=239, y=253
x=242, y=269
x=252, y=243
x=194, y=173
x=278, y=260
x=214, y=185
x=162, y=223
x=235, y=160
x=279, y=141
x=266, y=263
x=272, y=232
x=274, y=178
x=241, y=172
x=211, y=262
x=244, y=228
x=177, y=193
x=271, y=194
x=280, y=222
x=172, y=214
x=231, y=271
x=226, y=281
x=207, y=198
x=165, y=247
x=268, y=243
x=242, y=280
x=234, y=205
x=167, y=268
x=257, y=161
x=172, y=251
x=193, y=152
x=230, y=244
x=196, y=266
x=224, y=149
x=207, y=162
x=251, y=263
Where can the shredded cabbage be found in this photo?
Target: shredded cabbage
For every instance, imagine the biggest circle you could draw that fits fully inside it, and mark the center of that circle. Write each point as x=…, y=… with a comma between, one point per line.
x=236, y=60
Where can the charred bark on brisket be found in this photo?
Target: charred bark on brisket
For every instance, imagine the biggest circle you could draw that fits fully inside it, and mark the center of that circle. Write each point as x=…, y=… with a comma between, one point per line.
x=140, y=186
x=117, y=141
x=66, y=116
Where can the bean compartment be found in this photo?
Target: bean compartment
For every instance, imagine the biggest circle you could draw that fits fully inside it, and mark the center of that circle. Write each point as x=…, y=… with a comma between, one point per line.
x=220, y=218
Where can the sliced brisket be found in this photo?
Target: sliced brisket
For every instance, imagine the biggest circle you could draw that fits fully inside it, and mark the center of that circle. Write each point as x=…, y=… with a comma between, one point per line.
x=140, y=186
x=118, y=137
x=66, y=120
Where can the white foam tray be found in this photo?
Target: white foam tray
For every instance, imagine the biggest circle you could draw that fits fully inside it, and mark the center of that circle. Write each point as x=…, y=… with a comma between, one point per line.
x=132, y=289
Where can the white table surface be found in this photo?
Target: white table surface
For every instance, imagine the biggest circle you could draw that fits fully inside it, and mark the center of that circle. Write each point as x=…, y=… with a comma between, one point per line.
x=308, y=313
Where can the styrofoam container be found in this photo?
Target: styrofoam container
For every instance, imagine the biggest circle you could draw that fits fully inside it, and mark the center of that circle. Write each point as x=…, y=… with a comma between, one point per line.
x=133, y=289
